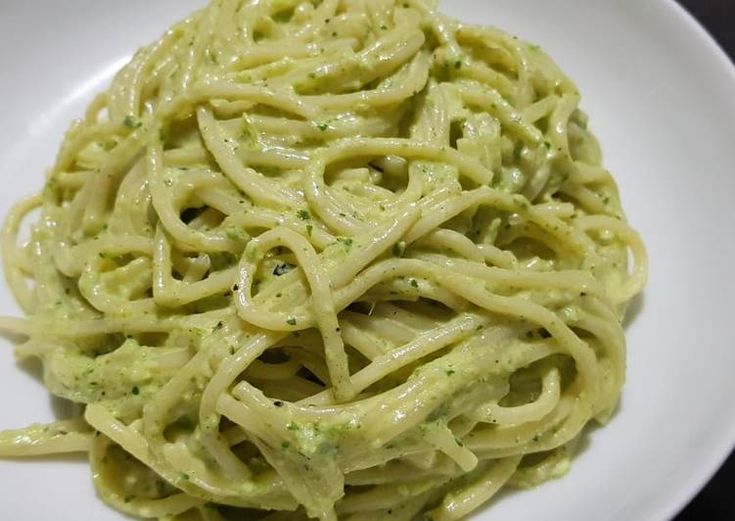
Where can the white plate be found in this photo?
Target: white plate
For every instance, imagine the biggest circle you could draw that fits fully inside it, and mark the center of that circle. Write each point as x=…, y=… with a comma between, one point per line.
x=660, y=97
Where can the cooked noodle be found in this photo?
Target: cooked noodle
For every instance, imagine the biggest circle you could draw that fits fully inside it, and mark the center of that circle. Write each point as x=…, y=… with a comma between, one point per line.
x=343, y=260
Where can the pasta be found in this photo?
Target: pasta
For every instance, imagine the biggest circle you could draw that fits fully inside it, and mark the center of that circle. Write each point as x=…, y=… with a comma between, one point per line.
x=335, y=259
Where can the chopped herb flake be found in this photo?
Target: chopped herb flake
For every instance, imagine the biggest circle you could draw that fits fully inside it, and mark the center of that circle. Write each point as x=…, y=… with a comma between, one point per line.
x=132, y=122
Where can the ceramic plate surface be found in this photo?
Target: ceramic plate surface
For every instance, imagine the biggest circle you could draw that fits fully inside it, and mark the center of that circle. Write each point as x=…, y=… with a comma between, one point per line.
x=660, y=98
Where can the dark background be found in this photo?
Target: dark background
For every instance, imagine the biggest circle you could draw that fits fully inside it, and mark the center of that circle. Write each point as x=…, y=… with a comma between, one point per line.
x=717, y=501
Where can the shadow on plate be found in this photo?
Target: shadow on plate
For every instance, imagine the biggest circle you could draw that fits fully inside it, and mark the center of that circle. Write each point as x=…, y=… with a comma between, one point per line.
x=635, y=308
x=61, y=408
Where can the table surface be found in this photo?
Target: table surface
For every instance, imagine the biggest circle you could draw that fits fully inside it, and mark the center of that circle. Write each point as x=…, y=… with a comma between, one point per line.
x=716, y=502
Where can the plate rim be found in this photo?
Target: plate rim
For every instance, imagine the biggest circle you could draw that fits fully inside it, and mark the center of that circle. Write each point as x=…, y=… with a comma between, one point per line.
x=717, y=455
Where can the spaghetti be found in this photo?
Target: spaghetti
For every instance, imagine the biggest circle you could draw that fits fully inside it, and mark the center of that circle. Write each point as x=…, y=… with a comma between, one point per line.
x=338, y=260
